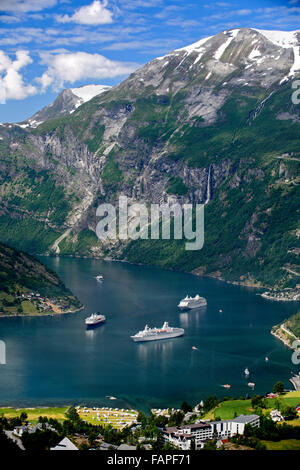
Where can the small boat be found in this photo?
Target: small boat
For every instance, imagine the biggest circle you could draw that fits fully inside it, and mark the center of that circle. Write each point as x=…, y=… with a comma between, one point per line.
x=266, y=358
x=99, y=278
x=246, y=371
x=220, y=310
x=194, y=347
x=226, y=386
x=111, y=398
x=251, y=384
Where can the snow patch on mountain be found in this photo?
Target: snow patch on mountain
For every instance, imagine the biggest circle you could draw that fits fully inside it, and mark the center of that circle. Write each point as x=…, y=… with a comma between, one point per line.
x=196, y=45
x=296, y=65
x=284, y=39
x=220, y=51
x=87, y=92
x=254, y=53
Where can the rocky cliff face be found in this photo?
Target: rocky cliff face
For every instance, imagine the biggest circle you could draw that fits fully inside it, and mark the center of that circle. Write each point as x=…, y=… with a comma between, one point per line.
x=210, y=123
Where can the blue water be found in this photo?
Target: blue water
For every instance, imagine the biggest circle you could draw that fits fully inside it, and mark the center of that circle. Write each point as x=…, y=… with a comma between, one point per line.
x=55, y=360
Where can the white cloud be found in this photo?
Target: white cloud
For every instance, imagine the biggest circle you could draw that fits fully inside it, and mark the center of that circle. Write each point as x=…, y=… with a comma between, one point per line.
x=22, y=6
x=73, y=66
x=93, y=14
x=9, y=19
x=11, y=79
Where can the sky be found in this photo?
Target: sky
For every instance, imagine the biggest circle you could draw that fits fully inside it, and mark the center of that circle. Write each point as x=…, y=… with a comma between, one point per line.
x=49, y=45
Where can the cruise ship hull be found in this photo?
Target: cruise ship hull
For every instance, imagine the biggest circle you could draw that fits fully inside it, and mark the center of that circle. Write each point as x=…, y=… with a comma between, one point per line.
x=191, y=306
x=94, y=324
x=174, y=334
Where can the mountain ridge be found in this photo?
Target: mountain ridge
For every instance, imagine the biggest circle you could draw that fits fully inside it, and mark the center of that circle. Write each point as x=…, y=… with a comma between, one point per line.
x=66, y=102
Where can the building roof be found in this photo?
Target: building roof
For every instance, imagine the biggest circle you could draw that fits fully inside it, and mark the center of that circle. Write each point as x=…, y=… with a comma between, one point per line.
x=65, y=444
x=196, y=426
x=170, y=429
x=173, y=429
x=106, y=445
x=126, y=447
x=245, y=418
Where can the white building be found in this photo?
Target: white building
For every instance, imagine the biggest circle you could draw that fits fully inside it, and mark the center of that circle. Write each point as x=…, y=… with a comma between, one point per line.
x=225, y=428
x=276, y=416
x=183, y=436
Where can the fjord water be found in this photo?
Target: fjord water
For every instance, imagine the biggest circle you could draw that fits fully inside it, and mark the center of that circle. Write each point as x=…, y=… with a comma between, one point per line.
x=55, y=360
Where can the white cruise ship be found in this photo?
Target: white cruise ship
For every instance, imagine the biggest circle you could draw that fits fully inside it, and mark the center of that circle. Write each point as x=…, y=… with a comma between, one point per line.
x=154, y=334
x=95, y=319
x=192, y=302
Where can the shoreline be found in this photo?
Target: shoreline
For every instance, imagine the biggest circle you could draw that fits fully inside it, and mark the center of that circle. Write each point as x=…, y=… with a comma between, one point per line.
x=247, y=284
x=282, y=299
x=50, y=314
x=101, y=404
x=283, y=339
x=194, y=273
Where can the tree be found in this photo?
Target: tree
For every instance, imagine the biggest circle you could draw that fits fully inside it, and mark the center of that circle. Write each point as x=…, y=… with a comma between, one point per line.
x=141, y=418
x=40, y=440
x=23, y=416
x=160, y=421
x=210, y=403
x=210, y=445
x=289, y=412
x=43, y=419
x=185, y=407
x=159, y=443
x=92, y=437
x=176, y=418
x=73, y=415
x=257, y=401
x=278, y=387
x=169, y=446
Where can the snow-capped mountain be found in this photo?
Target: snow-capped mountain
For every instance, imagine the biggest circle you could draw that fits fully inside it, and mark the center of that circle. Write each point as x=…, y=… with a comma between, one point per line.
x=212, y=122
x=66, y=103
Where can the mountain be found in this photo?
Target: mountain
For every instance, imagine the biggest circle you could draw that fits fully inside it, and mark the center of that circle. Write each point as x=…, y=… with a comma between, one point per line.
x=28, y=287
x=211, y=122
x=66, y=103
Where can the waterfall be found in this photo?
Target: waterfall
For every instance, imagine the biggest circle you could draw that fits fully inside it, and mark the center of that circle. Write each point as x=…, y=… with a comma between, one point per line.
x=208, y=190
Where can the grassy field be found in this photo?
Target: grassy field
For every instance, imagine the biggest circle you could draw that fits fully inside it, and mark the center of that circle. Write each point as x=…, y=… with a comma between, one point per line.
x=34, y=413
x=29, y=308
x=227, y=409
x=288, y=444
x=289, y=399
